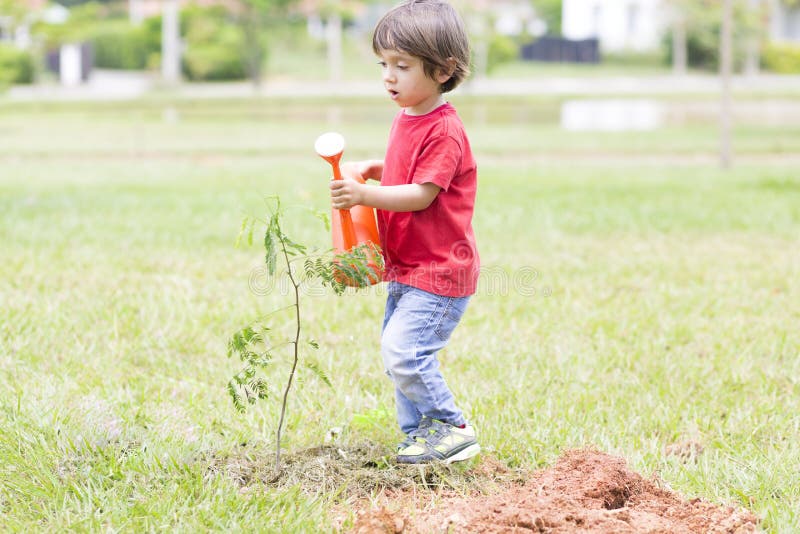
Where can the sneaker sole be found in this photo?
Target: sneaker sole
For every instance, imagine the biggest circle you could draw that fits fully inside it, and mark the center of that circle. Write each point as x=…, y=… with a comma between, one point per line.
x=466, y=454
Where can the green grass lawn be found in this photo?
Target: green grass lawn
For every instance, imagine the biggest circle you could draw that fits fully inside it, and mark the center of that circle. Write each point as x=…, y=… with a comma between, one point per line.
x=633, y=296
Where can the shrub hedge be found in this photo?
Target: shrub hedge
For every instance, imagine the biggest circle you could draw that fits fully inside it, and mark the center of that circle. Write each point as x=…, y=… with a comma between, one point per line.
x=16, y=66
x=118, y=45
x=783, y=58
x=215, y=45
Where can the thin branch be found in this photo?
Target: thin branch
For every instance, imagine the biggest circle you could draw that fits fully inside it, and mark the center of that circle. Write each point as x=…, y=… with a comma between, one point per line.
x=273, y=312
x=278, y=345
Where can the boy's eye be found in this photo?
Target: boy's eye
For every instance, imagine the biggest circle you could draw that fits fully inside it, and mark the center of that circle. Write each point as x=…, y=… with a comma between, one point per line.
x=382, y=63
x=402, y=67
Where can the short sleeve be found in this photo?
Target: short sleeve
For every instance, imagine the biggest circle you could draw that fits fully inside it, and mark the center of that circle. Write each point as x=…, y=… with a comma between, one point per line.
x=439, y=162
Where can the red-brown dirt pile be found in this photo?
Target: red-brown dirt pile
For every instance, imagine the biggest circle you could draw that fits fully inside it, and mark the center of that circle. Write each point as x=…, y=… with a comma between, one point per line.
x=587, y=491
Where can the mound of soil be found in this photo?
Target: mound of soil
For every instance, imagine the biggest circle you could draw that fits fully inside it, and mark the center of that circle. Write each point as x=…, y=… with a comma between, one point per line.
x=587, y=491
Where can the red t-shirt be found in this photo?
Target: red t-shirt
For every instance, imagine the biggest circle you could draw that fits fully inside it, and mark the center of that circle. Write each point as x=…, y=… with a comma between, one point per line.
x=432, y=249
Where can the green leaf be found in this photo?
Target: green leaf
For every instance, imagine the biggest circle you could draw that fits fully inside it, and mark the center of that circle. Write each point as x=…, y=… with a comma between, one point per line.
x=236, y=398
x=260, y=387
x=250, y=335
x=241, y=231
x=314, y=368
x=313, y=343
x=308, y=268
x=250, y=233
x=322, y=216
x=250, y=394
x=244, y=343
x=261, y=359
x=271, y=252
x=355, y=267
x=294, y=249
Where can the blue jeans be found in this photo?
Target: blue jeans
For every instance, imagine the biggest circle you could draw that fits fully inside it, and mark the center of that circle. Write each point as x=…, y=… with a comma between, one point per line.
x=416, y=326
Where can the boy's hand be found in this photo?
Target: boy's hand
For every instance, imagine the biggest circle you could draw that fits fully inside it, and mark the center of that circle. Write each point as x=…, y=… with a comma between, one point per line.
x=346, y=193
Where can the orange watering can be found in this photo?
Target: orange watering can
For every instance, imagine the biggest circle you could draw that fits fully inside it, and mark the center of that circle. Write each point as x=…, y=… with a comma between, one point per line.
x=354, y=226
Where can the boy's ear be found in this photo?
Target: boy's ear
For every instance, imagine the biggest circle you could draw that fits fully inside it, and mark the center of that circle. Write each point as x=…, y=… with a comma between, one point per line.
x=446, y=73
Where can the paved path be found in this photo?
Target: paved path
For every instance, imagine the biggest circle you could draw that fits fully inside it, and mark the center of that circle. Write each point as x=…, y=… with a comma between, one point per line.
x=119, y=85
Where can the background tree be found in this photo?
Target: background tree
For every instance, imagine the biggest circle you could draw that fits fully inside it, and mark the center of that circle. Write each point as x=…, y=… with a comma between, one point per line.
x=677, y=17
x=13, y=10
x=754, y=30
x=70, y=3
x=334, y=14
x=16, y=66
x=701, y=23
x=170, y=42
x=550, y=12
x=256, y=17
x=489, y=47
x=725, y=70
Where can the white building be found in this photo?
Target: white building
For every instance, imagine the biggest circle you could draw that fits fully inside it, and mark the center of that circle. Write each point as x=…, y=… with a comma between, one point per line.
x=619, y=25
x=784, y=22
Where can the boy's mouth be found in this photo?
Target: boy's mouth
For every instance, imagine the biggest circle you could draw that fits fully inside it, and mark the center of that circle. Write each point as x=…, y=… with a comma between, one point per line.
x=393, y=94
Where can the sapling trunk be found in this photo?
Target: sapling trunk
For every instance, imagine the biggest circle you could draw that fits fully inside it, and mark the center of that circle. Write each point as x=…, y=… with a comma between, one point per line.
x=296, y=343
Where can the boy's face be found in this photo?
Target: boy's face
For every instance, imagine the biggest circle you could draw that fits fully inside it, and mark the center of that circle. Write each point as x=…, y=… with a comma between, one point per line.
x=405, y=79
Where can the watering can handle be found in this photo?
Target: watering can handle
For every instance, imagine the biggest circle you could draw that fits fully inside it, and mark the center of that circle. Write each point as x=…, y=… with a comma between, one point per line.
x=348, y=230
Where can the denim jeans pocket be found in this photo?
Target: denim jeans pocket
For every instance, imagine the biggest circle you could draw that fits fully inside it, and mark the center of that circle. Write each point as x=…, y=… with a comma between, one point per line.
x=451, y=315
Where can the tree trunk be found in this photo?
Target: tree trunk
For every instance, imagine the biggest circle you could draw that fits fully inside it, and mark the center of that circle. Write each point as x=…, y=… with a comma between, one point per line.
x=170, y=43
x=256, y=51
x=333, y=35
x=679, y=55
x=753, y=44
x=725, y=67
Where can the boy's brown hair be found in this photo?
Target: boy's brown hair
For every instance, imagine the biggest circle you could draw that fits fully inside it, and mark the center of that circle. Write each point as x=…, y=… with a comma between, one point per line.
x=430, y=30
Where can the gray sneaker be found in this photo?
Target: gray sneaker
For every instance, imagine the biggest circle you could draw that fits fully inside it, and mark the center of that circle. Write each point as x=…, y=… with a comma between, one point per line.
x=405, y=443
x=435, y=441
x=421, y=430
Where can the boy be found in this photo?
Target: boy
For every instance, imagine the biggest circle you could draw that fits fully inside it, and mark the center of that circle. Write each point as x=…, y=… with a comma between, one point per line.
x=424, y=206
